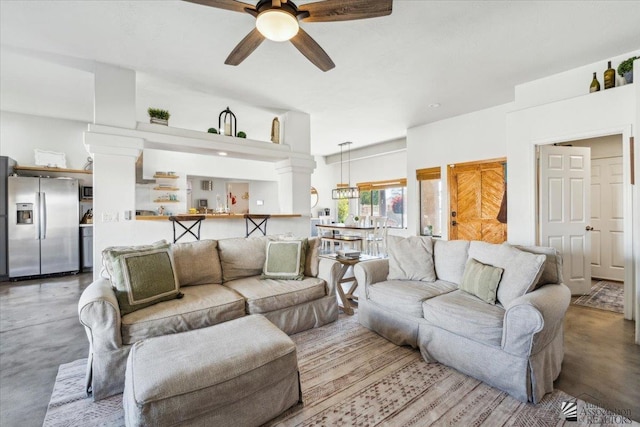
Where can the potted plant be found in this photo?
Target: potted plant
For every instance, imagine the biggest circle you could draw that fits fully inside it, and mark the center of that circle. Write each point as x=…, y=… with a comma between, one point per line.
x=625, y=69
x=158, y=116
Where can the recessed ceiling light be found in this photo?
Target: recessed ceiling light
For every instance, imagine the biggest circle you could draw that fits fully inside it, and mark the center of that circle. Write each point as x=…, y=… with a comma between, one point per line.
x=222, y=153
x=434, y=105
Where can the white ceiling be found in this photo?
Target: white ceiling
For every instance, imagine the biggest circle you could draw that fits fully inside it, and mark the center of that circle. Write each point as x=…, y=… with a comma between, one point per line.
x=464, y=55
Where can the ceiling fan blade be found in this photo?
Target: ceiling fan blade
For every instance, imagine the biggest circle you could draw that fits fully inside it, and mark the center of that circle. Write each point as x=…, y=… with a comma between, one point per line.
x=245, y=47
x=345, y=10
x=233, y=5
x=312, y=50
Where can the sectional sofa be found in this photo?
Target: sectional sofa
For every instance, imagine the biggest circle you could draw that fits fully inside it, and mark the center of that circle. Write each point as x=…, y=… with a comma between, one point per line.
x=219, y=280
x=434, y=295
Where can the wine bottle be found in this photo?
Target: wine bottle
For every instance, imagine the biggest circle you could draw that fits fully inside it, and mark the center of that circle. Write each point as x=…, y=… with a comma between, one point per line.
x=609, y=77
x=595, y=84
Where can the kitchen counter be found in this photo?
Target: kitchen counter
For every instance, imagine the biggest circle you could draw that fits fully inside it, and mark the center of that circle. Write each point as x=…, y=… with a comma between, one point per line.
x=210, y=216
x=86, y=225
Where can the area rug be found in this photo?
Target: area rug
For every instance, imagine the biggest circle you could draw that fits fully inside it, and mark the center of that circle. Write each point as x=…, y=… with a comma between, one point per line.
x=605, y=296
x=353, y=377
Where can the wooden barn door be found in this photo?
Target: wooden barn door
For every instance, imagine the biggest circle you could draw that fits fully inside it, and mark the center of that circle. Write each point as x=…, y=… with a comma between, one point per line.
x=476, y=191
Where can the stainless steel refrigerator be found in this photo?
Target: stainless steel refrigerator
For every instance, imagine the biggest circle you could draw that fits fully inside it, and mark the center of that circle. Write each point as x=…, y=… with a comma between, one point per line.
x=43, y=226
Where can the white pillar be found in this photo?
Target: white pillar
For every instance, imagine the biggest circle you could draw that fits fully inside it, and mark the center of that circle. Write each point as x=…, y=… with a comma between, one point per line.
x=114, y=101
x=297, y=131
x=294, y=174
x=114, y=159
x=294, y=185
x=114, y=181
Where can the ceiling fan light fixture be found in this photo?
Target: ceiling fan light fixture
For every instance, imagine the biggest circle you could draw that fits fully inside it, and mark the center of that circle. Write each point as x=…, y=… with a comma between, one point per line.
x=277, y=25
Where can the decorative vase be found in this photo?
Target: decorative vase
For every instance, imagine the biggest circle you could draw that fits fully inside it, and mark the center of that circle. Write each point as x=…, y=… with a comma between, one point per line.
x=628, y=76
x=158, y=121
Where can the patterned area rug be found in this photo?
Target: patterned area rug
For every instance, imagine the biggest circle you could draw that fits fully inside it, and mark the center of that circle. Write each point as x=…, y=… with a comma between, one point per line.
x=605, y=296
x=351, y=376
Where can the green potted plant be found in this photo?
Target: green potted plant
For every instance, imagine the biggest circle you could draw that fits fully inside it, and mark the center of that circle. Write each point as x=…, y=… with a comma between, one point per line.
x=158, y=116
x=625, y=69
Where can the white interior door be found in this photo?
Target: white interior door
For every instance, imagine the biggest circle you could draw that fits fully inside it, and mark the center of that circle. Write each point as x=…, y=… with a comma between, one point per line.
x=607, y=215
x=565, y=210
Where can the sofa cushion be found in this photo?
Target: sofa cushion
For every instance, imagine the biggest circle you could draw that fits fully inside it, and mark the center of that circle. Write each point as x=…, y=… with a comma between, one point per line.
x=481, y=280
x=406, y=296
x=285, y=260
x=521, y=269
x=265, y=295
x=242, y=256
x=142, y=276
x=312, y=258
x=197, y=263
x=450, y=259
x=466, y=315
x=552, y=272
x=201, y=306
x=410, y=258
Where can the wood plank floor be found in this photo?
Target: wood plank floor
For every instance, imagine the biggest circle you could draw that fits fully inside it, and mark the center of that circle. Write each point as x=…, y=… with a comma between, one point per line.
x=39, y=330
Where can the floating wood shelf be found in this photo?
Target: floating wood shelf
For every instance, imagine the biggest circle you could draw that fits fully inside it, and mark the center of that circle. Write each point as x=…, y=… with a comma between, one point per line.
x=48, y=169
x=166, y=201
x=166, y=176
x=166, y=188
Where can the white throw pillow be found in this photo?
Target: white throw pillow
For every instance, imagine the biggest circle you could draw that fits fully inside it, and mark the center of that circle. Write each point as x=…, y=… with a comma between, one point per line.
x=410, y=258
x=521, y=269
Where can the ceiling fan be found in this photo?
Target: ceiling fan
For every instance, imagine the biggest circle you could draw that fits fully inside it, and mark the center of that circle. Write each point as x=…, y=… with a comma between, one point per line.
x=278, y=20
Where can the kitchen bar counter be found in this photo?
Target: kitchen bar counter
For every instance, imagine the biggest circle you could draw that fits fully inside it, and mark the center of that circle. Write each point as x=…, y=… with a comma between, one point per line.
x=209, y=216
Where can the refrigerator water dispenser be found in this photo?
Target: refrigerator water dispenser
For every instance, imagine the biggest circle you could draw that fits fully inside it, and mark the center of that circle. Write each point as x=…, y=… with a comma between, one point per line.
x=25, y=213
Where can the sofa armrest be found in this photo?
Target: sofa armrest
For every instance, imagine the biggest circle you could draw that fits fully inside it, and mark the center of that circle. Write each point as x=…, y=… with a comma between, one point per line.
x=99, y=312
x=329, y=270
x=370, y=272
x=533, y=320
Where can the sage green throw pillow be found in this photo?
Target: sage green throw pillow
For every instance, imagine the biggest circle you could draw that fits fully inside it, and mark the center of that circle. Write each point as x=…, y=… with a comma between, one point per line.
x=285, y=260
x=481, y=280
x=142, y=276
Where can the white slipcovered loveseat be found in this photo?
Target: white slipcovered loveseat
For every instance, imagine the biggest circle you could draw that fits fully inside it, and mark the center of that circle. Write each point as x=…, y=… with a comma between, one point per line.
x=510, y=337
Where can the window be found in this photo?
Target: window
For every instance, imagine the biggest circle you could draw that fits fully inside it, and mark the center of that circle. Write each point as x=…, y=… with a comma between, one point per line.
x=430, y=201
x=384, y=198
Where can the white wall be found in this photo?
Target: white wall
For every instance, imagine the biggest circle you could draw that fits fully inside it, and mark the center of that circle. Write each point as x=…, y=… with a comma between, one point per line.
x=20, y=134
x=587, y=116
x=569, y=84
x=476, y=136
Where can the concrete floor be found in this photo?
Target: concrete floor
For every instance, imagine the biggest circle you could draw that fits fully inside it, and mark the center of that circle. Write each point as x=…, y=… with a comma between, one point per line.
x=39, y=330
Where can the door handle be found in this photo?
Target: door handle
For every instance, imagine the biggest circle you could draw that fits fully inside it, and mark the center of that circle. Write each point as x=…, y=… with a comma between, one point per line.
x=454, y=214
x=588, y=228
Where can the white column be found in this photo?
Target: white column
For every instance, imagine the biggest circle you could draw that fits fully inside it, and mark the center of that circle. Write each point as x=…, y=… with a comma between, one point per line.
x=294, y=185
x=297, y=131
x=114, y=101
x=114, y=159
x=114, y=182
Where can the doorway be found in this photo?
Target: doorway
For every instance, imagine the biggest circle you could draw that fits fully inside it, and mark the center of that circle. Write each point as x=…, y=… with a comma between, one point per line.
x=601, y=237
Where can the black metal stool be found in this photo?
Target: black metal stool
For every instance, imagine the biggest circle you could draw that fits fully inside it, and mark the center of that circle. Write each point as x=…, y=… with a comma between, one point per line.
x=178, y=219
x=257, y=226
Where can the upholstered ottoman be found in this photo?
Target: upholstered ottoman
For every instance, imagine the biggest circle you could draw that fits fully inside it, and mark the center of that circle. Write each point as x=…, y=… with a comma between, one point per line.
x=243, y=372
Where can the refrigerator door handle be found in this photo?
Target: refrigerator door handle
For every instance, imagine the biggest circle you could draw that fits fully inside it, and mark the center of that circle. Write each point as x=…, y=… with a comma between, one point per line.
x=43, y=215
x=36, y=216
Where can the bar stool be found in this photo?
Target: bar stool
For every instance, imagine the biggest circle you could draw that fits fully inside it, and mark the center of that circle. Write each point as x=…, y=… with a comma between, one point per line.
x=259, y=223
x=179, y=219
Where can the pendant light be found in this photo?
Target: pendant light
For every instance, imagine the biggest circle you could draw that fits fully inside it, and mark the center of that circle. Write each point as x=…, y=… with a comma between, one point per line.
x=343, y=191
